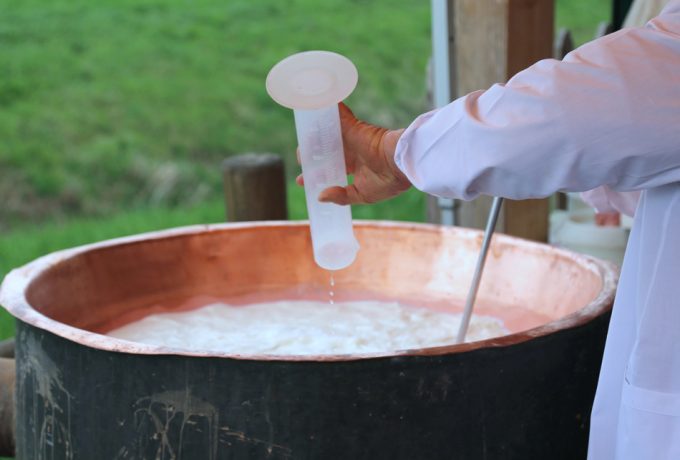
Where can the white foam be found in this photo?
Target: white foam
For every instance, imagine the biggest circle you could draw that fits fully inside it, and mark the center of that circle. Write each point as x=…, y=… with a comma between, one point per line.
x=306, y=328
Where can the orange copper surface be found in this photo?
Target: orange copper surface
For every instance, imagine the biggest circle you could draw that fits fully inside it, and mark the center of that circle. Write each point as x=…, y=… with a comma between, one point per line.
x=83, y=292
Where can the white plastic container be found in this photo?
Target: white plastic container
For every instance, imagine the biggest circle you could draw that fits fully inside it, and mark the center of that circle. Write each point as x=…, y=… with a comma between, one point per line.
x=577, y=231
x=312, y=83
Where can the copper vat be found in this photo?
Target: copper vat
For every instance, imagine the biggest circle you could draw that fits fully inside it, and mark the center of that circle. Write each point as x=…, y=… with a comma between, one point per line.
x=81, y=394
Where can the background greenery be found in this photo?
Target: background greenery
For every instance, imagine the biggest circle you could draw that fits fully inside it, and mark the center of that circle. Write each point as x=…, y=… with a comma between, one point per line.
x=116, y=114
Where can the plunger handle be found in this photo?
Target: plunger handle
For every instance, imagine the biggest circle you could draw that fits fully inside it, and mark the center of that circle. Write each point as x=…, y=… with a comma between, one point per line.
x=474, y=287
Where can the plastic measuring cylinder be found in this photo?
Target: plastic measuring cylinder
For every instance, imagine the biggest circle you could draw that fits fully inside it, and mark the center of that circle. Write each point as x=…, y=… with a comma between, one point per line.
x=312, y=83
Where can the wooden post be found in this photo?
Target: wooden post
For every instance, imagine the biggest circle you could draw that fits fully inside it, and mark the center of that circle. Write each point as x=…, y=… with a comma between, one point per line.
x=255, y=187
x=7, y=348
x=494, y=39
x=7, y=383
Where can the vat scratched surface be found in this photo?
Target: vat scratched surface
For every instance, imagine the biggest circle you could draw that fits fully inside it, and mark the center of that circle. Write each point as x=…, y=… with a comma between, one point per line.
x=404, y=407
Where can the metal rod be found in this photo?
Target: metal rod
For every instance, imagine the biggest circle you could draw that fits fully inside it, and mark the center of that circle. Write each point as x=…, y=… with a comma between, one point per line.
x=474, y=287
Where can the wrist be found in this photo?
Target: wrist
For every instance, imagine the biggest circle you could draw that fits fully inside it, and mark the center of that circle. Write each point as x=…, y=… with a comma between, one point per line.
x=388, y=149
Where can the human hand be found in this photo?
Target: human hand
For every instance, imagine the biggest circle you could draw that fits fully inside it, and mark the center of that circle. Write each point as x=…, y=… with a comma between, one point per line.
x=608, y=219
x=369, y=156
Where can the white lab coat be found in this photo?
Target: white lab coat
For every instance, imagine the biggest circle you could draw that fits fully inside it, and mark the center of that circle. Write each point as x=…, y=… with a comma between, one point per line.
x=607, y=115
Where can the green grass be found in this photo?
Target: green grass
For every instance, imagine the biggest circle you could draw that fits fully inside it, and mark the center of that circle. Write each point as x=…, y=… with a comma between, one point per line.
x=581, y=17
x=110, y=104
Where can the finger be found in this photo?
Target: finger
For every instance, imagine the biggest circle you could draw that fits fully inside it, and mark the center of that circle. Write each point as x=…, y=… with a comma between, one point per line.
x=346, y=114
x=337, y=195
x=347, y=122
x=341, y=195
x=608, y=219
x=300, y=180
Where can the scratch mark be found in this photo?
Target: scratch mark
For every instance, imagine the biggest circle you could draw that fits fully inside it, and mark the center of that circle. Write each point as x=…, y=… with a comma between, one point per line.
x=168, y=409
x=52, y=405
x=270, y=446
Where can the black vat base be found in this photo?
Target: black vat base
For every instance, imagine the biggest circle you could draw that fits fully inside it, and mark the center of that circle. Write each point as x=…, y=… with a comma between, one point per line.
x=526, y=401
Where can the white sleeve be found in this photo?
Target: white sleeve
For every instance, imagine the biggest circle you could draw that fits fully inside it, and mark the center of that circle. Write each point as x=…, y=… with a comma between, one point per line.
x=608, y=114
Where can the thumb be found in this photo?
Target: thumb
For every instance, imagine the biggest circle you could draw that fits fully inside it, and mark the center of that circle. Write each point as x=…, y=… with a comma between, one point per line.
x=341, y=195
x=347, y=117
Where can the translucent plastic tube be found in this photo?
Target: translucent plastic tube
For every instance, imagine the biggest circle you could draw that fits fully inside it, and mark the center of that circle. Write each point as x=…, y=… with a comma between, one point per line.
x=323, y=166
x=312, y=83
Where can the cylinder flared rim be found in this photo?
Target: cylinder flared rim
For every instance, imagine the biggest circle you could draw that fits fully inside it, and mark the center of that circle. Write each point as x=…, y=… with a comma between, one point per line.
x=293, y=81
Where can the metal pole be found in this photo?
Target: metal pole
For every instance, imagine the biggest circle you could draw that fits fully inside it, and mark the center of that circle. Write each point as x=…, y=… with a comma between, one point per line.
x=441, y=64
x=477, y=277
x=443, y=81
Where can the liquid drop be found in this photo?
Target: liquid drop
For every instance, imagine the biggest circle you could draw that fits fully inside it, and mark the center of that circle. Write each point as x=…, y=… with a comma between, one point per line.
x=331, y=294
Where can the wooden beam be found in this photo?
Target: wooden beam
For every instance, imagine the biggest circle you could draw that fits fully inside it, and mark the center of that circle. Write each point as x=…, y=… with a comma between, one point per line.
x=494, y=39
x=564, y=44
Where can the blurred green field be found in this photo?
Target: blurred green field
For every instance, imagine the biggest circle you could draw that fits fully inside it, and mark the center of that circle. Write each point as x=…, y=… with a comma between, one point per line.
x=112, y=104
x=116, y=114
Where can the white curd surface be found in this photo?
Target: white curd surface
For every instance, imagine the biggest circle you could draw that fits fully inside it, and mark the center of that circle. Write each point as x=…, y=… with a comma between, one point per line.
x=305, y=328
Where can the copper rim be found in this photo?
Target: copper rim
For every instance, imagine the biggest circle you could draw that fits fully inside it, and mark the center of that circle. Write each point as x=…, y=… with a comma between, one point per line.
x=13, y=294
